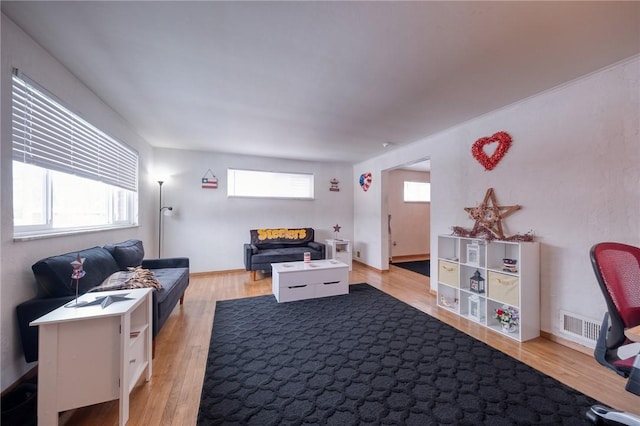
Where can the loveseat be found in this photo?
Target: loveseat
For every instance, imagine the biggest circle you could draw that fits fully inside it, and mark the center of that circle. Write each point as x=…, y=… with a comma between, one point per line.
x=101, y=265
x=276, y=245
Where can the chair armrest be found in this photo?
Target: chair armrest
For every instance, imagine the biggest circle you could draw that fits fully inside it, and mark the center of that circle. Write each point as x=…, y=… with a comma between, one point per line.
x=32, y=310
x=167, y=262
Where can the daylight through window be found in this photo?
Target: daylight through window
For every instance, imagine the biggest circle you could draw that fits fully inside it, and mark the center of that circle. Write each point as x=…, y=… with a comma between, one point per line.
x=417, y=192
x=252, y=183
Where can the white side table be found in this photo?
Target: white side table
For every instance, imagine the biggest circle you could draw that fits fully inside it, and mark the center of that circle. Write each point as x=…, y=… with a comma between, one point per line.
x=340, y=250
x=89, y=355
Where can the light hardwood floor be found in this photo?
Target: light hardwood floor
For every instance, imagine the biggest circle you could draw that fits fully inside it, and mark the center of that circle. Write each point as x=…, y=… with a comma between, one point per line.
x=172, y=396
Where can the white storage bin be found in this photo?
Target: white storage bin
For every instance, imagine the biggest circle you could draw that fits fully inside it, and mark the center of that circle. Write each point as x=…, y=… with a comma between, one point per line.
x=504, y=288
x=448, y=273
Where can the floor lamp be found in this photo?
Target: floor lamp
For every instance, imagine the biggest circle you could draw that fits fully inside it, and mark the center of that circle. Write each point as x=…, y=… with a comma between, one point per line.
x=167, y=210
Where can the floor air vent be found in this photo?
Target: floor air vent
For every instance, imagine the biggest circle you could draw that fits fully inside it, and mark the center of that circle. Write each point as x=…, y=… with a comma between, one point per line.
x=582, y=330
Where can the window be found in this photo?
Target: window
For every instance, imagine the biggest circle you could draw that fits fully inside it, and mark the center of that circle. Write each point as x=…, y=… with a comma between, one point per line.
x=67, y=174
x=417, y=192
x=252, y=183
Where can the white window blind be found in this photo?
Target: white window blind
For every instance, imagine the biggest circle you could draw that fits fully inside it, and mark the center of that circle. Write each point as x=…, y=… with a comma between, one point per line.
x=253, y=183
x=47, y=134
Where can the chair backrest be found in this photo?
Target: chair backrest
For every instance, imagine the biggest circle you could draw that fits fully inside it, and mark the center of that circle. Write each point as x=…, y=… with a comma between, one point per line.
x=617, y=268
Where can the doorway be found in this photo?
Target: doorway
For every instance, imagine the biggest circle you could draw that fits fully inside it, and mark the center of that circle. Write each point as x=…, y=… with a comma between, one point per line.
x=409, y=211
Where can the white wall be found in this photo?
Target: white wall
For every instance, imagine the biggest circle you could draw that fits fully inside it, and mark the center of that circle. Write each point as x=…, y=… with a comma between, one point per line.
x=16, y=279
x=210, y=228
x=573, y=167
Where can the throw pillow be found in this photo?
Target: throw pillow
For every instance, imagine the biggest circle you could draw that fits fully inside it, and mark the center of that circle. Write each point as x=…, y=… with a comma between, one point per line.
x=127, y=253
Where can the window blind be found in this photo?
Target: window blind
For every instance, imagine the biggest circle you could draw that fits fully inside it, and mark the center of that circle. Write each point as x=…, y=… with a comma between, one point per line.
x=49, y=135
x=253, y=183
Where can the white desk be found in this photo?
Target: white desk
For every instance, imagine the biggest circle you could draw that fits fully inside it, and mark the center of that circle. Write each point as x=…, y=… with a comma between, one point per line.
x=89, y=355
x=633, y=333
x=633, y=382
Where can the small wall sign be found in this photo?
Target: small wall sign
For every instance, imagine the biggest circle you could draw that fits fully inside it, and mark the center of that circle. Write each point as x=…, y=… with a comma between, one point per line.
x=209, y=180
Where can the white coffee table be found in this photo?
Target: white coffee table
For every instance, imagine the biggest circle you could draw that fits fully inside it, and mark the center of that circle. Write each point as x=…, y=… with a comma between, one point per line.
x=308, y=280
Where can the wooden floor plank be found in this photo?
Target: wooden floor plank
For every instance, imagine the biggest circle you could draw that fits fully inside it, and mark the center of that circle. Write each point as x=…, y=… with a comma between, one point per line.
x=172, y=397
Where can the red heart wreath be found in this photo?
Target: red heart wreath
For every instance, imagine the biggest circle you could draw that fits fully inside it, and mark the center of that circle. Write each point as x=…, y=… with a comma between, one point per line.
x=504, y=142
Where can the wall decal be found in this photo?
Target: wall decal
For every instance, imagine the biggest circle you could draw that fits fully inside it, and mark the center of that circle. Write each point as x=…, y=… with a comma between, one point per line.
x=489, y=163
x=365, y=181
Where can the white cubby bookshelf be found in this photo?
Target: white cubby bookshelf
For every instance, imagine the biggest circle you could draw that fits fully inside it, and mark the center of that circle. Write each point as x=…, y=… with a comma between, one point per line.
x=517, y=287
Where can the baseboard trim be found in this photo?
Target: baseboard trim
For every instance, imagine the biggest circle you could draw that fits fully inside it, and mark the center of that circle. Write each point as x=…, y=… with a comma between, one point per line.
x=370, y=267
x=410, y=257
x=226, y=271
x=566, y=342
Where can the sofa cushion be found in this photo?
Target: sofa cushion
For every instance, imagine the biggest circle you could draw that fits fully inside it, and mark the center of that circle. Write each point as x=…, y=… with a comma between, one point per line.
x=282, y=237
x=128, y=254
x=289, y=254
x=53, y=274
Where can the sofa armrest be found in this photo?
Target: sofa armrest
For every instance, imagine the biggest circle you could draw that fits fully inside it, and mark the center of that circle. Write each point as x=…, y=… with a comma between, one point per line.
x=318, y=246
x=32, y=310
x=167, y=262
x=249, y=250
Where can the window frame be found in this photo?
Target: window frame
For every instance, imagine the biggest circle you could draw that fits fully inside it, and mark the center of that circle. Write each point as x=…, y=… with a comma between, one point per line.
x=49, y=136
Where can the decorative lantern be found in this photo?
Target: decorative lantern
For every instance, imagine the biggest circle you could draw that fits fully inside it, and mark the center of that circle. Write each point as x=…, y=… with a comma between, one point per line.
x=476, y=283
x=475, y=312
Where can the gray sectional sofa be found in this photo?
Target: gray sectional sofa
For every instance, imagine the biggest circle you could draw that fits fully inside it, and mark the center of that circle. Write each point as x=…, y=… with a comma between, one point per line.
x=53, y=276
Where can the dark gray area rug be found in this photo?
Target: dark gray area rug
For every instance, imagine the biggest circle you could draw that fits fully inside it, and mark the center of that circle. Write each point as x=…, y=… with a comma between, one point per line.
x=367, y=358
x=420, y=266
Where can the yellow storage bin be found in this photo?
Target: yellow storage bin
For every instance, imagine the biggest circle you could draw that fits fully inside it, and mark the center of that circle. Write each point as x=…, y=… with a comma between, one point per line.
x=448, y=273
x=504, y=288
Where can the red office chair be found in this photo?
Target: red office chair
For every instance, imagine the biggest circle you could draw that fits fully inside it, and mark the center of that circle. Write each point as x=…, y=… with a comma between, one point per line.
x=617, y=268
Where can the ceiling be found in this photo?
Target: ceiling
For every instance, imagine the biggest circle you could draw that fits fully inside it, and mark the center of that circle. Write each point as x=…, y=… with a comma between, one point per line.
x=324, y=81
